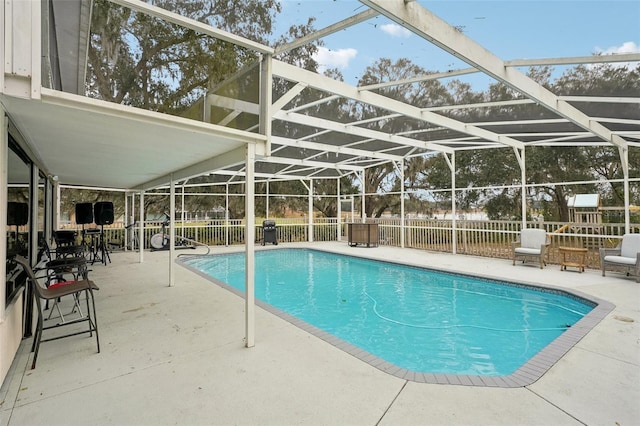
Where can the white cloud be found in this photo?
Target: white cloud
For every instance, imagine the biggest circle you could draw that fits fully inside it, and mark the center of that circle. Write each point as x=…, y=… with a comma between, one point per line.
x=626, y=47
x=340, y=58
x=395, y=30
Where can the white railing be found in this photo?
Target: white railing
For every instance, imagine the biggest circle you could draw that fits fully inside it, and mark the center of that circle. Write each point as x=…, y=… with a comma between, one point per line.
x=480, y=238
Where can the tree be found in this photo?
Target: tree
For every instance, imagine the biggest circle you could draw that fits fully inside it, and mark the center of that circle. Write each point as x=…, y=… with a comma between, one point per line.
x=612, y=81
x=142, y=61
x=145, y=62
x=552, y=165
x=381, y=179
x=138, y=60
x=546, y=166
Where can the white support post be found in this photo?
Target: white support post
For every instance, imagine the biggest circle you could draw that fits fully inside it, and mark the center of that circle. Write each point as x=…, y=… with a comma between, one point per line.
x=523, y=178
x=172, y=230
x=133, y=217
x=454, y=224
x=267, y=202
x=33, y=219
x=310, y=208
x=363, y=202
x=226, y=215
x=353, y=208
x=266, y=87
x=56, y=202
x=141, y=230
x=309, y=191
x=523, y=183
x=48, y=211
x=250, y=231
x=125, y=244
x=205, y=106
x=400, y=170
x=451, y=162
x=624, y=160
x=339, y=211
x=182, y=209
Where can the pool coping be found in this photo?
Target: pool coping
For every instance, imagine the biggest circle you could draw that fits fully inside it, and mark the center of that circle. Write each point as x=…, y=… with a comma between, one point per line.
x=525, y=375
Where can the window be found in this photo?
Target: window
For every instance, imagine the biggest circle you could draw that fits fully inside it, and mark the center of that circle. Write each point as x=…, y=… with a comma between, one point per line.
x=17, y=227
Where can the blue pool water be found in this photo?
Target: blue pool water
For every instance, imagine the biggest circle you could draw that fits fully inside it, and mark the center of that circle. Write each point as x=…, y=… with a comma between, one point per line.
x=417, y=319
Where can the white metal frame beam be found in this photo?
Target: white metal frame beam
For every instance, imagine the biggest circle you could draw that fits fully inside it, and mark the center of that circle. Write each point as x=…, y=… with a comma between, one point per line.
x=433, y=29
x=334, y=149
x=308, y=163
x=348, y=128
x=594, y=59
x=174, y=18
x=354, y=130
x=338, y=26
x=576, y=60
x=230, y=158
x=326, y=84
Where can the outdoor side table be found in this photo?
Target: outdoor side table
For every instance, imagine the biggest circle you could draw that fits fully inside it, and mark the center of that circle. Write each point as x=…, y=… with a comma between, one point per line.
x=574, y=257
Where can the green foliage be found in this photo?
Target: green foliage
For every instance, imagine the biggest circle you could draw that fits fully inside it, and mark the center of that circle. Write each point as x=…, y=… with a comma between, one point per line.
x=142, y=61
x=546, y=166
x=145, y=62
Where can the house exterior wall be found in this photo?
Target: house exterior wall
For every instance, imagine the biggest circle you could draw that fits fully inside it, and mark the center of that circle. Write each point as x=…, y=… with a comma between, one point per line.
x=10, y=333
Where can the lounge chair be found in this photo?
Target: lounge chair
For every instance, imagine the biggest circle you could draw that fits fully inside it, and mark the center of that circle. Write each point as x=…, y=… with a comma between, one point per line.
x=625, y=256
x=532, y=244
x=54, y=292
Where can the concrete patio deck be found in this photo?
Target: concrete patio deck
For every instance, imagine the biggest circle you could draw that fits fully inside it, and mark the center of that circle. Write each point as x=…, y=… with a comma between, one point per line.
x=175, y=355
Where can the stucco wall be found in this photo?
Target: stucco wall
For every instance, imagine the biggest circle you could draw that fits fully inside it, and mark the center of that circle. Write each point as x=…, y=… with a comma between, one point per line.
x=10, y=335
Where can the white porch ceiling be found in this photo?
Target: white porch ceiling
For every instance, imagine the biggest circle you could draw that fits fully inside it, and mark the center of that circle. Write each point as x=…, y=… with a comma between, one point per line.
x=95, y=143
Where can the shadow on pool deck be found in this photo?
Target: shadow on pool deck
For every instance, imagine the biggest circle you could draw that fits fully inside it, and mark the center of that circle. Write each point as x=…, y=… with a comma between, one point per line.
x=175, y=355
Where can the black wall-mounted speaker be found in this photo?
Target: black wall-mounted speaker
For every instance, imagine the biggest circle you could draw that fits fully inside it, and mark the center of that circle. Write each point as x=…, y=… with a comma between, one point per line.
x=103, y=212
x=17, y=213
x=84, y=213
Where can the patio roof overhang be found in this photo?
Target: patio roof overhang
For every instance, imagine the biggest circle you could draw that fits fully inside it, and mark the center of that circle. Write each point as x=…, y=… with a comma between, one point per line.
x=95, y=143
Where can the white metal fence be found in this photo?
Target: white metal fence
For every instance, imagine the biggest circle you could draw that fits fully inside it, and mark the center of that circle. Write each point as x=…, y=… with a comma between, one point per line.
x=480, y=238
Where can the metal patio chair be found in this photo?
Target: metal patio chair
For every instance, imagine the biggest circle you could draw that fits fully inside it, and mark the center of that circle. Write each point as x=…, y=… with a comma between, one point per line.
x=53, y=292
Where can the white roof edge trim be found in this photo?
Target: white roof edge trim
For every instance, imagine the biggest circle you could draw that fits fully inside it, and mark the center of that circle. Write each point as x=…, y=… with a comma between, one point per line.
x=165, y=15
x=54, y=97
x=576, y=60
x=210, y=165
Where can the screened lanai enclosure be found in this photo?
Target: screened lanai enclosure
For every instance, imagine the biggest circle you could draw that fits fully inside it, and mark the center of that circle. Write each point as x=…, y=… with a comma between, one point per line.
x=217, y=114
x=456, y=160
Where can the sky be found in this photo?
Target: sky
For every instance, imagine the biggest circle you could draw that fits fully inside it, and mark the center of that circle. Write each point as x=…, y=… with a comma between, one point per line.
x=510, y=29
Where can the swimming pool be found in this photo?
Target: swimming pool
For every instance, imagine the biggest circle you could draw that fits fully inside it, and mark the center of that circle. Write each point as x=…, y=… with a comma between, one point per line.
x=414, y=321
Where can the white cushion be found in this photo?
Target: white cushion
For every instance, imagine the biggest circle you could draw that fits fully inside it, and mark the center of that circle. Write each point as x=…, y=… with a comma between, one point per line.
x=524, y=250
x=621, y=260
x=533, y=238
x=630, y=246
